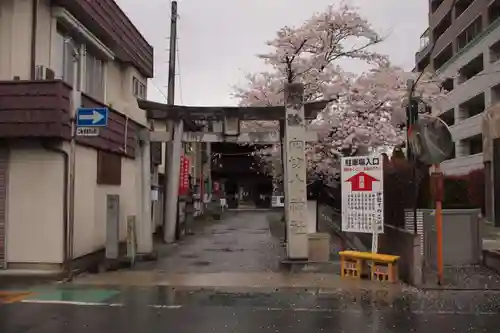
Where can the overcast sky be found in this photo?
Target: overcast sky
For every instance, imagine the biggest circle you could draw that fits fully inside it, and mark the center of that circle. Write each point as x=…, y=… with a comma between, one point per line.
x=218, y=39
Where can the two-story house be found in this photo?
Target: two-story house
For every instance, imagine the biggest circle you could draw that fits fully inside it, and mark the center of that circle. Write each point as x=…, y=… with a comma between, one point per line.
x=55, y=56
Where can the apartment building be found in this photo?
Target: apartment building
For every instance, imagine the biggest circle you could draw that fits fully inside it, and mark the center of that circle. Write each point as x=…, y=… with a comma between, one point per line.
x=55, y=56
x=466, y=54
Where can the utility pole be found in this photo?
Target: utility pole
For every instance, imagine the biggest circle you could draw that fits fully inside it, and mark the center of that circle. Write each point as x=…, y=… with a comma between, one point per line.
x=172, y=149
x=411, y=119
x=411, y=116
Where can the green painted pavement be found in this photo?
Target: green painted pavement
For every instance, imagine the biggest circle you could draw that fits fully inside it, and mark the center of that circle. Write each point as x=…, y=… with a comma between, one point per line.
x=73, y=295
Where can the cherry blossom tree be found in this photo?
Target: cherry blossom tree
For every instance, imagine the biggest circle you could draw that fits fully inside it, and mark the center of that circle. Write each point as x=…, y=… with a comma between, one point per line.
x=366, y=110
x=308, y=54
x=369, y=115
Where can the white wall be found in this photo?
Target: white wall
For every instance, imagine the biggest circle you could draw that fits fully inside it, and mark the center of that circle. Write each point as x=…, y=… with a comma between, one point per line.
x=478, y=84
x=119, y=93
x=483, y=82
x=35, y=205
x=45, y=32
x=90, y=198
x=467, y=128
x=15, y=36
x=462, y=165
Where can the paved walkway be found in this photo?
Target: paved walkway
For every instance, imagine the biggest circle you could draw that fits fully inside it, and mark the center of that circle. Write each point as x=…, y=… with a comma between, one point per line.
x=241, y=242
x=237, y=252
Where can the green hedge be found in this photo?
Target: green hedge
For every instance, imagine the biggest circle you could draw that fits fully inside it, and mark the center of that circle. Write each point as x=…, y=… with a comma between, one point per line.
x=465, y=191
x=460, y=192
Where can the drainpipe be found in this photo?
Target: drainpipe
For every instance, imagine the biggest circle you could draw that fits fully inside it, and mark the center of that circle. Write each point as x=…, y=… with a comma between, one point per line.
x=34, y=24
x=69, y=175
x=65, y=155
x=76, y=102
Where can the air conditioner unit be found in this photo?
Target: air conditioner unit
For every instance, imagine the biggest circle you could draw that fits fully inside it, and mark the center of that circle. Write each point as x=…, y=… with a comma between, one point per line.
x=44, y=73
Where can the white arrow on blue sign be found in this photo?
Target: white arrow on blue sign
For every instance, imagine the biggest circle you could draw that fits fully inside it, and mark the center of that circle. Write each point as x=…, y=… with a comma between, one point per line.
x=92, y=117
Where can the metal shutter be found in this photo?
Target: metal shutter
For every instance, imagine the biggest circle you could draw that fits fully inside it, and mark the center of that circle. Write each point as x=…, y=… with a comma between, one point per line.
x=4, y=160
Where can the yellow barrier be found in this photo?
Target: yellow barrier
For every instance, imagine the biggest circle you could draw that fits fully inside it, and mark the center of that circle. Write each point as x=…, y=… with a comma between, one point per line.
x=384, y=267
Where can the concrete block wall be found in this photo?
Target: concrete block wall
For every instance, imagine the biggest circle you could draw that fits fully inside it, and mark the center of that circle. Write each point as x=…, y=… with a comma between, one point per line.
x=405, y=244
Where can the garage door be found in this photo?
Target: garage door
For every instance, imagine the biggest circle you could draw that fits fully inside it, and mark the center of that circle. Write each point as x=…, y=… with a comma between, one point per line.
x=4, y=158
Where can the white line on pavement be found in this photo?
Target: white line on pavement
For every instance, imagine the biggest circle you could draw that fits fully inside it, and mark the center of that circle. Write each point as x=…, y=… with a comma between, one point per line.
x=352, y=311
x=36, y=301
x=159, y=306
x=71, y=303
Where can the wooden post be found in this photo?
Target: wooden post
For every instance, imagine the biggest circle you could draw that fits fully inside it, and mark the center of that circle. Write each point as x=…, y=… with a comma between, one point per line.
x=437, y=190
x=295, y=173
x=144, y=228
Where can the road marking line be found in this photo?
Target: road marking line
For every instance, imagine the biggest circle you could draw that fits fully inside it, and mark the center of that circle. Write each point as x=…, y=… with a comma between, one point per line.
x=37, y=301
x=355, y=311
x=159, y=306
x=352, y=311
x=300, y=309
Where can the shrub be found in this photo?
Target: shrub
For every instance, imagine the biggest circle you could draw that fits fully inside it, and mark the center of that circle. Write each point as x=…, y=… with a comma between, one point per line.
x=477, y=189
x=460, y=192
x=456, y=194
x=465, y=191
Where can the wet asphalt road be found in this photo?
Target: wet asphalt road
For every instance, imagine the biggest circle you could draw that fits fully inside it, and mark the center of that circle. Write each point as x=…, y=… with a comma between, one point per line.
x=154, y=310
x=240, y=320
x=241, y=244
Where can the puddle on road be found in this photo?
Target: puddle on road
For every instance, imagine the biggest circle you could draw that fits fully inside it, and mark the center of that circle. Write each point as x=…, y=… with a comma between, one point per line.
x=312, y=299
x=220, y=232
x=189, y=256
x=201, y=263
x=258, y=232
x=224, y=249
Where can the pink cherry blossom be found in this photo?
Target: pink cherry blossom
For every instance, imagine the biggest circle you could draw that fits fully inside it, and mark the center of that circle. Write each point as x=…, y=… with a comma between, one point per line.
x=367, y=110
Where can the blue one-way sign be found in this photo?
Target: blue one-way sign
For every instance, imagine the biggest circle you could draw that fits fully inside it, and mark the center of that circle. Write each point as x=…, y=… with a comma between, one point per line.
x=92, y=117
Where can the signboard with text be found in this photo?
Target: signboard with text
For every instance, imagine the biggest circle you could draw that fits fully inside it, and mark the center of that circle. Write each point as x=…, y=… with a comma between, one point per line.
x=363, y=194
x=92, y=117
x=184, y=176
x=88, y=121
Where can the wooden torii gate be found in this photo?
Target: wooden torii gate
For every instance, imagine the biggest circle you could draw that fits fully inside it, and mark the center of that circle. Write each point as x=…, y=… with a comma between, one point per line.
x=226, y=128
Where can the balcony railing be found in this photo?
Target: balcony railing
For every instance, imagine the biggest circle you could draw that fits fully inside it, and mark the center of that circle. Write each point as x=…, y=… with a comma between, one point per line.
x=425, y=40
x=34, y=109
x=120, y=136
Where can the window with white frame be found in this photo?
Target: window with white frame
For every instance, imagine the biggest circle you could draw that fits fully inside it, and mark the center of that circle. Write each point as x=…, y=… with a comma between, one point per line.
x=94, y=76
x=70, y=50
x=138, y=88
x=65, y=58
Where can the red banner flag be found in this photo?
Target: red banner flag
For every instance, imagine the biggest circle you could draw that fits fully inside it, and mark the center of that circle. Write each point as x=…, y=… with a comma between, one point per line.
x=184, y=176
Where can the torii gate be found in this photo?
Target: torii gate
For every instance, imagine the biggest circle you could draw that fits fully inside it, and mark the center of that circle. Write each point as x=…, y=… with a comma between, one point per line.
x=226, y=122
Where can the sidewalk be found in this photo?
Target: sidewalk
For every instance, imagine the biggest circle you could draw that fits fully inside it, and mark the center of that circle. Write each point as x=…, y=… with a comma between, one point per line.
x=480, y=277
x=491, y=237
